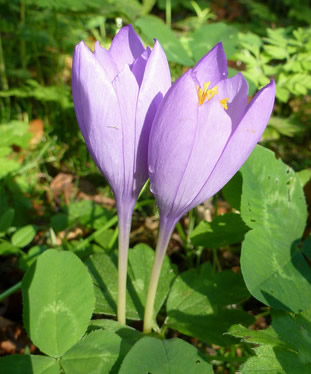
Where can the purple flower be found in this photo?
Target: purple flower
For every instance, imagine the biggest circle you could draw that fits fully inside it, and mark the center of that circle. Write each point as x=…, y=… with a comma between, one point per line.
x=203, y=132
x=116, y=94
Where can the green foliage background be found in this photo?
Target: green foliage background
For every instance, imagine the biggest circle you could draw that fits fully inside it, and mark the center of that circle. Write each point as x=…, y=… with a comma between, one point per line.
x=206, y=294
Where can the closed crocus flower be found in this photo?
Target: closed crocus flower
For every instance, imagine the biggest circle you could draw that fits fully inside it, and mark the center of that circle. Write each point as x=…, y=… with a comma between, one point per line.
x=116, y=94
x=205, y=130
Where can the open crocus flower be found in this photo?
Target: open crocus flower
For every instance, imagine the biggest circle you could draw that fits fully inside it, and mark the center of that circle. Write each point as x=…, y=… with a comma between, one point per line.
x=116, y=94
x=205, y=130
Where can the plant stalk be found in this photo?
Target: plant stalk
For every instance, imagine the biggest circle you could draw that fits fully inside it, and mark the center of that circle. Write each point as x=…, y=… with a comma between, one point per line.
x=166, y=228
x=125, y=212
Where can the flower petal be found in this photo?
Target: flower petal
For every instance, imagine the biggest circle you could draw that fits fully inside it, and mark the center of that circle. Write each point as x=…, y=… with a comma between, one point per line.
x=212, y=67
x=139, y=65
x=171, y=139
x=156, y=82
x=234, y=89
x=98, y=114
x=126, y=89
x=212, y=133
x=126, y=47
x=240, y=144
x=106, y=61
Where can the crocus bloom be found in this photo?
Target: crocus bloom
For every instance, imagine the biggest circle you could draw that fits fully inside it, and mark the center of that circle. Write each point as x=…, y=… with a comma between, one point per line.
x=116, y=94
x=205, y=130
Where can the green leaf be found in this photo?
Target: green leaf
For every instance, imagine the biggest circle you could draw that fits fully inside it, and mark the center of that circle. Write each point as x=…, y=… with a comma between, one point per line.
x=232, y=191
x=284, y=324
x=58, y=301
x=104, y=238
x=304, y=176
x=7, y=166
x=198, y=304
x=6, y=220
x=28, y=364
x=99, y=352
x=154, y=28
x=6, y=248
x=103, y=268
x=274, y=361
x=267, y=336
x=207, y=36
x=26, y=260
x=273, y=206
x=85, y=212
x=284, y=347
x=278, y=53
x=24, y=236
x=306, y=247
x=14, y=132
x=224, y=230
x=116, y=327
x=156, y=356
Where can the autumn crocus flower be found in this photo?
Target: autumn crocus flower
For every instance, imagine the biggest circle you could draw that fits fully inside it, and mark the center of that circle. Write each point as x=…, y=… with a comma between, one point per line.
x=205, y=131
x=116, y=94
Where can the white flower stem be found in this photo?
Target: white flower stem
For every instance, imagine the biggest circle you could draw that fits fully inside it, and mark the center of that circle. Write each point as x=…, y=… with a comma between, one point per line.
x=166, y=228
x=125, y=212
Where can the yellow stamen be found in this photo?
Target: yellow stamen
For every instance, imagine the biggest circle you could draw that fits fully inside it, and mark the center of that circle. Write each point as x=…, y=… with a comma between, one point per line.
x=205, y=93
x=224, y=102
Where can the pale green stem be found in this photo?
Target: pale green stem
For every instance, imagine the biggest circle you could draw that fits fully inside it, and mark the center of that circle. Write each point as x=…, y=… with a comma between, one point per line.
x=125, y=212
x=166, y=228
x=168, y=13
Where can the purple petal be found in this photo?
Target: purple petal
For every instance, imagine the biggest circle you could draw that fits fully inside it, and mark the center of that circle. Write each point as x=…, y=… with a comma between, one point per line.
x=212, y=133
x=156, y=82
x=171, y=140
x=126, y=47
x=126, y=89
x=139, y=65
x=212, y=67
x=240, y=145
x=98, y=114
x=234, y=89
x=106, y=61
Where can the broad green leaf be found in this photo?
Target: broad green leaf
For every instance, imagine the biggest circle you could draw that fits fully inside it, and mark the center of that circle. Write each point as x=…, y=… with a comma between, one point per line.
x=207, y=36
x=23, y=236
x=6, y=248
x=153, y=27
x=6, y=220
x=304, y=176
x=103, y=268
x=157, y=356
x=199, y=304
x=267, y=336
x=285, y=324
x=232, y=191
x=28, y=364
x=273, y=360
x=14, y=132
x=115, y=327
x=88, y=213
x=273, y=206
x=224, y=230
x=30, y=257
x=58, y=299
x=104, y=238
x=7, y=166
x=306, y=247
x=85, y=212
x=284, y=347
x=99, y=352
